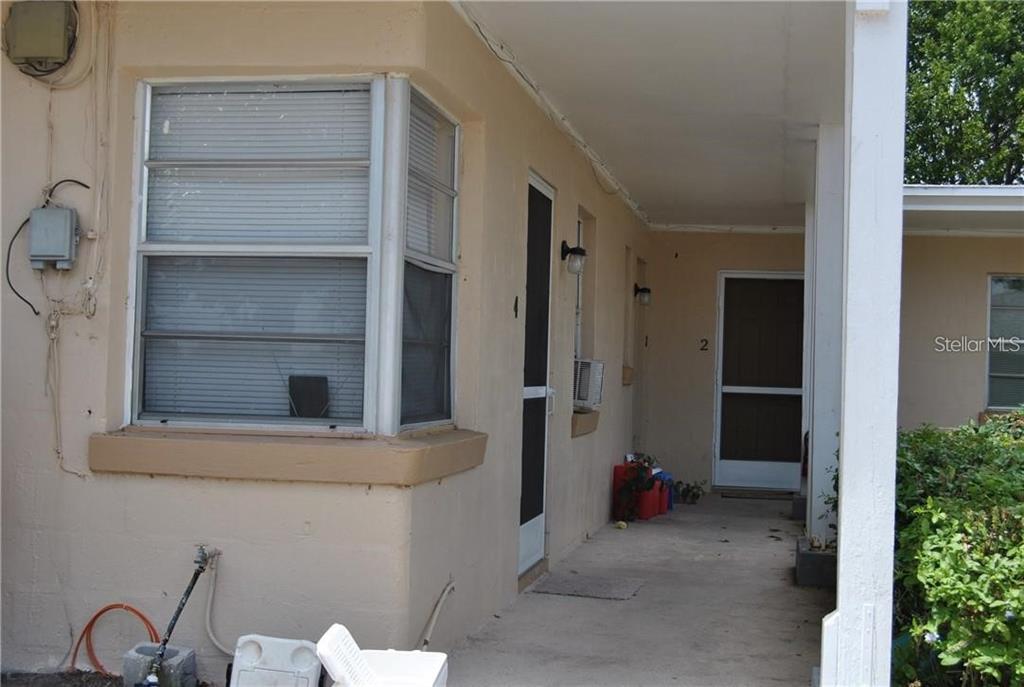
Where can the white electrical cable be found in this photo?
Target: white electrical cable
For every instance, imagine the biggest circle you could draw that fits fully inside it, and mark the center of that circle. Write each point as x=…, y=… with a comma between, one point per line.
x=214, y=561
x=53, y=381
x=82, y=301
x=424, y=640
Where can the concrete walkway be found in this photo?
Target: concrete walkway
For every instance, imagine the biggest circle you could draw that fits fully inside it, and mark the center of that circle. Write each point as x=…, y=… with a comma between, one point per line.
x=718, y=607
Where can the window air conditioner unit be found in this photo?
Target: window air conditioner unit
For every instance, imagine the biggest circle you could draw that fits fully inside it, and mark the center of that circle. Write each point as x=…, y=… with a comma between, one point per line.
x=587, y=380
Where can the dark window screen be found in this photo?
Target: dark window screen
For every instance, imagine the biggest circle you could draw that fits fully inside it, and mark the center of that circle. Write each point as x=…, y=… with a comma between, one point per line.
x=762, y=337
x=426, y=345
x=761, y=427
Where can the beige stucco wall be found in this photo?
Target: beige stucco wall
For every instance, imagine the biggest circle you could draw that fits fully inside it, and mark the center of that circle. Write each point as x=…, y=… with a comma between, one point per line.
x=297, y=556
x=468, y=526
x=945, y=293
x=678, y=378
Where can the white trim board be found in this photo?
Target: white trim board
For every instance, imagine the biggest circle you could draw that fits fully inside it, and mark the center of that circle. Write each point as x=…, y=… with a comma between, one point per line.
x=963, y=198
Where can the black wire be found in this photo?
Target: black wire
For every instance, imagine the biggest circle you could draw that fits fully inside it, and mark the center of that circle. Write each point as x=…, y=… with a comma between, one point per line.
x=54, y=186
x=7, y=271
x=7, y=263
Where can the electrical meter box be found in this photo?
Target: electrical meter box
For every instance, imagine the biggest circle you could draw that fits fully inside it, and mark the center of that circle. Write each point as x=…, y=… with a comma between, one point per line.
x=38, y=31
x=53, y=238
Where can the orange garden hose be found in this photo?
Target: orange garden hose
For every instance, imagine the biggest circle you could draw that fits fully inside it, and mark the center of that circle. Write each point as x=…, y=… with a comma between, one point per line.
x=86, y=634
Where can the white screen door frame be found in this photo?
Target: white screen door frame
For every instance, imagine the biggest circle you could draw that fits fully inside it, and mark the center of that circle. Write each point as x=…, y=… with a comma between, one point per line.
x=753, y=474
x=532, y=532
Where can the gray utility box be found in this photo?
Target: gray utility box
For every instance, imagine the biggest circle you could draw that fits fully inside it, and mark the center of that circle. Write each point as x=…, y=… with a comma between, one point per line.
x=39, y=31
x=53, y=237
x=178, y=669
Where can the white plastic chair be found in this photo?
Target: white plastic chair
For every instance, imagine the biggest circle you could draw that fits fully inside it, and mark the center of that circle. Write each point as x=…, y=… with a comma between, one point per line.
x=351, y=666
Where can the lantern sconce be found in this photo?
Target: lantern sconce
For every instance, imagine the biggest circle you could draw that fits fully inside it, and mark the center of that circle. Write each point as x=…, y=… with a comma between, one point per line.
x=575, y=258
x=642, y=294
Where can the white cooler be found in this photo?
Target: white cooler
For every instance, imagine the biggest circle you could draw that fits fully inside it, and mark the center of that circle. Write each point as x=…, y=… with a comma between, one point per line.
x=262, y=661
x=351, y=666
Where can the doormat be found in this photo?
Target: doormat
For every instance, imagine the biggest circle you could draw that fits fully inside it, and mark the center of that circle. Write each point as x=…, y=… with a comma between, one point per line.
x=590, y=586
x=762, y=494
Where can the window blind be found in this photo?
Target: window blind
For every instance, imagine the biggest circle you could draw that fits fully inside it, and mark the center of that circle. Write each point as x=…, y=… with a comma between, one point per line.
x=251, y=296
x=1006, y=343
x=258, y=206
x=260, y=122
x=427, y=302
x=428, y=220
x=224, y=334
x=244, y=165
x=431, y=141
x=247, y=378
x=431, y=194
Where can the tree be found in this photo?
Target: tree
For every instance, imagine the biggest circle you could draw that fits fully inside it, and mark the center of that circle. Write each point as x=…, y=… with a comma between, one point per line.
x=965, y=92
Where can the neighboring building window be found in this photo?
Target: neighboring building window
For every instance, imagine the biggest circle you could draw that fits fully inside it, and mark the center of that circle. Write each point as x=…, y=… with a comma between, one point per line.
x=429, y=266
x=1006, y=343
x=258, y=243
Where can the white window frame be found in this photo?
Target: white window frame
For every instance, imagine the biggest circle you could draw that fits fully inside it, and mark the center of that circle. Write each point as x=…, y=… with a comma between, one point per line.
x=433, y=264
x=988, y=335
x=388, y=162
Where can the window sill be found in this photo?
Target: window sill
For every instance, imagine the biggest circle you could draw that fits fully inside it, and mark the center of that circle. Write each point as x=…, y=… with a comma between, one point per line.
x=403, y=461
x=627, y=375
x=584, y=423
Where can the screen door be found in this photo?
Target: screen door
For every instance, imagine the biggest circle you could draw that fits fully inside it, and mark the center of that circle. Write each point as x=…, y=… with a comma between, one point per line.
x=760, y=381
x=536, y=392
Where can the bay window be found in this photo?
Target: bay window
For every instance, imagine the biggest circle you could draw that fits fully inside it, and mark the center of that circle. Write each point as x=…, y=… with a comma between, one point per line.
x=259, y=256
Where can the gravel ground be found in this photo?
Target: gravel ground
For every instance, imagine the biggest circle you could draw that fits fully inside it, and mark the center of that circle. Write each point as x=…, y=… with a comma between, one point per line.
x=77, y=678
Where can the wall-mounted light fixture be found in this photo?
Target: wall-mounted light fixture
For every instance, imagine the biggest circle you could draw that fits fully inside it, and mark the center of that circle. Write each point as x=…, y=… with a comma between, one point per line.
x=575, y=258
x=642, y=294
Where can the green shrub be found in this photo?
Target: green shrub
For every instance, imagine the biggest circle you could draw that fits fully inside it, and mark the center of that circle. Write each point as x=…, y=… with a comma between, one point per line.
x=959, y=578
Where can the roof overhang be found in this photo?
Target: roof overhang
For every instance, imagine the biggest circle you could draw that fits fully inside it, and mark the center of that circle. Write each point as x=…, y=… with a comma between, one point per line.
x=703, y=116
x=700, y=113
x=935, y=210
x=963, y=210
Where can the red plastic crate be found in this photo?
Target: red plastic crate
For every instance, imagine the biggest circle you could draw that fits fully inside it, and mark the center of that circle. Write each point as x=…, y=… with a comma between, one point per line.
x=647, y=505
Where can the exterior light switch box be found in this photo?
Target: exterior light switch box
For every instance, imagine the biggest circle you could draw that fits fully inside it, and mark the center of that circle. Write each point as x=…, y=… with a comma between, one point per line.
x=38, y=31
x=53, y=238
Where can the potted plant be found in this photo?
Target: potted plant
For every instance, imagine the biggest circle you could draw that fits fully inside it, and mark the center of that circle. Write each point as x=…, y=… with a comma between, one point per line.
x=638, y=479
x=690, y=492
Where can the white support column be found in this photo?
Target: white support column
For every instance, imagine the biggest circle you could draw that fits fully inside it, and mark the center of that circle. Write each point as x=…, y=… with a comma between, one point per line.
x=392, y=250
x=807, y=421
x=825, y=245
x=857, y=636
